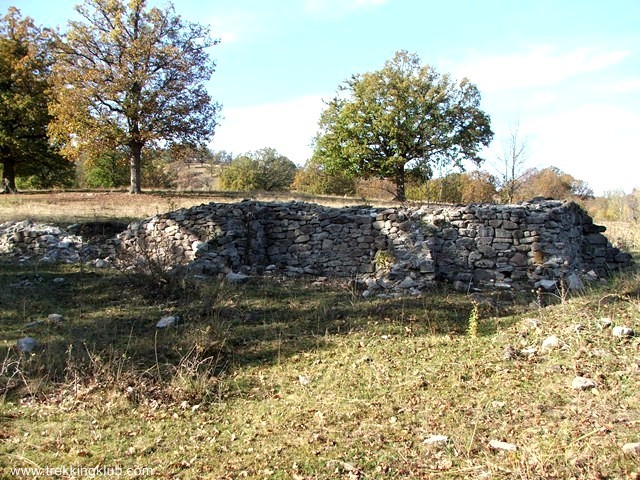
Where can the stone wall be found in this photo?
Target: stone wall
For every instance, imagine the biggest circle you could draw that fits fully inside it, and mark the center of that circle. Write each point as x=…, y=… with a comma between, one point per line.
x=406, y=248
x=47, y=242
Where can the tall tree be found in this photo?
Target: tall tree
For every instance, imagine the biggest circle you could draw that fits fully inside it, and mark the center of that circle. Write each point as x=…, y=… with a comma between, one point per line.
x=400, y=118
x=131, y=76
x=25, y=70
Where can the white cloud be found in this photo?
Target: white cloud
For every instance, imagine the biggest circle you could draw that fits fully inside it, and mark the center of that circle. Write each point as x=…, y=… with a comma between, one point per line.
x=539, y=67
x=289, y=127
x=623, y=86
x=597, y=143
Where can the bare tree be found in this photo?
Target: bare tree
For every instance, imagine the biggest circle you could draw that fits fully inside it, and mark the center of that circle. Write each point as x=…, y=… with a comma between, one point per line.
x=511, y=164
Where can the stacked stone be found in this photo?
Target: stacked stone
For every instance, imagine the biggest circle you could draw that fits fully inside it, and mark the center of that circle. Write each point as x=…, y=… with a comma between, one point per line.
x=405, y=248
x=49, y=243
x=321, y=241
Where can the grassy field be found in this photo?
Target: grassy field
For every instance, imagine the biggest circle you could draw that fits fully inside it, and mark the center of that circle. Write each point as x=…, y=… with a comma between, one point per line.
x=306, y=379
x=70, y=207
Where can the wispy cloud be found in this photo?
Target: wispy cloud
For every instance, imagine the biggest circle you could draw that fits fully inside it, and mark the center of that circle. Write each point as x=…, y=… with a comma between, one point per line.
x=539, y=67
x=236, y=26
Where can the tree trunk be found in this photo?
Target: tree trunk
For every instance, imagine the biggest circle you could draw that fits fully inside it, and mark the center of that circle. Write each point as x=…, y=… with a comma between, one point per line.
x=8, y=176
x=400, y=194
x=135, y=161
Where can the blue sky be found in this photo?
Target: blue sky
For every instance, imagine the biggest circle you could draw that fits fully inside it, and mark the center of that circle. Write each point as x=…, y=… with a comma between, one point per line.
x=567, y=71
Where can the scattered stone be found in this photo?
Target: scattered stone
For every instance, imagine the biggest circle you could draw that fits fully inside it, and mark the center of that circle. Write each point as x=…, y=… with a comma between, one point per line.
x=503, y=446
x=26, y=344
x=620, y=331
x=606, y=322
x=529, y=351
x=304, y=380
x=236, y=277
x=533, y=322
x=551, y=343
x=578, y=328
x=631, y=448
x=582, y=383
x=436, y=440
x=55, y=319
x=100, y=263
x=167, y=321
x=59, y=280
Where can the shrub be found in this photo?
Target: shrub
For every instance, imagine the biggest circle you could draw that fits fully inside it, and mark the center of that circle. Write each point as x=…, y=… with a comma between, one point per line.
x=263, y=169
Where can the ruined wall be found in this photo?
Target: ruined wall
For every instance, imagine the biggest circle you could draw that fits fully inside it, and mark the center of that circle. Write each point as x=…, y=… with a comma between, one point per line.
x=399, y=247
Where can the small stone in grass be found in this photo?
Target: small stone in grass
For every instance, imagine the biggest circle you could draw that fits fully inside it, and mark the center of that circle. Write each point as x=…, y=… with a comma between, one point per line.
x=26, y=344
x=582, y=383
x=504, y=446
x=551, y=343
x=436, y=440
x=631, y=448
x=55, y=318
x=236, y=277
x=166, y=322
x=620, y=331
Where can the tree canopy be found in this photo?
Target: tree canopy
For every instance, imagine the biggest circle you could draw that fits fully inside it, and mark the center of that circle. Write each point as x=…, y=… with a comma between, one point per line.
x=403, y=118
x=128, y=76
x=263, y=169
x=25, y=69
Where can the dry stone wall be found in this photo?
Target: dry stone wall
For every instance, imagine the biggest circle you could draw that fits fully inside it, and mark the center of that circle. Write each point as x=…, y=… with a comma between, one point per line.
x=401, y=248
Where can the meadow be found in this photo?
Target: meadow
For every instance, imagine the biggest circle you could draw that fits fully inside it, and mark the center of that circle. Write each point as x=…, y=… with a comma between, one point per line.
x=304, y=379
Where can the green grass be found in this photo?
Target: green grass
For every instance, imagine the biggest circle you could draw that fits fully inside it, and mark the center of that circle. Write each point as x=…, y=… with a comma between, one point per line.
x=295, y=379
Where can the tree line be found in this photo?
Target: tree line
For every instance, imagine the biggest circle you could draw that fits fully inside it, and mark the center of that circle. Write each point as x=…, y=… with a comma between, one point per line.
x=120, y=99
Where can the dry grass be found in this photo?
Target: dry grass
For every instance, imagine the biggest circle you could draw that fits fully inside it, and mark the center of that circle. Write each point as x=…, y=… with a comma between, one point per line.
x=298, y=379
x=624, y=235
x=292, y=379
x=70, y=207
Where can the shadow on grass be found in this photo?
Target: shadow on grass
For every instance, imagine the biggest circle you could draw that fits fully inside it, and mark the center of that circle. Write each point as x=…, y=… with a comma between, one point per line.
x=109, y=326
